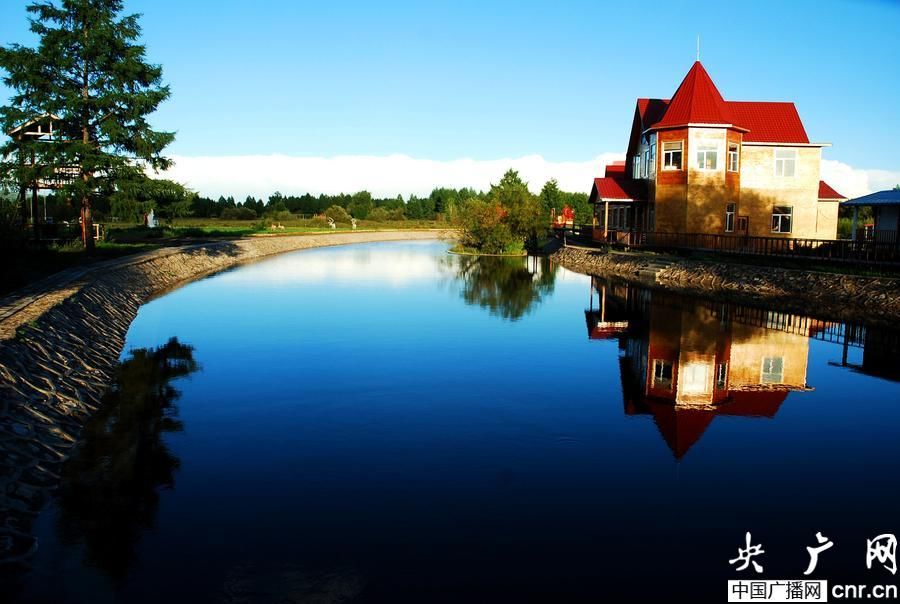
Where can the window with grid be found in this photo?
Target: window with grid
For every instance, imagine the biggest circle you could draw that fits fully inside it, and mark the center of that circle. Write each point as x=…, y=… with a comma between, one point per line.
x=707, y=157
x=785, y=162
x=732, y=158
x=729, y=217
x=672, y=155
x=781, y=219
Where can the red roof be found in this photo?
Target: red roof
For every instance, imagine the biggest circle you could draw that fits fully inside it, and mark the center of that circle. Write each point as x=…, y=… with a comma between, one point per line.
x=617, y=168
x=697, y=101
x=615, y=188
x=769, y=122
x=652, y=110
x=827, y=192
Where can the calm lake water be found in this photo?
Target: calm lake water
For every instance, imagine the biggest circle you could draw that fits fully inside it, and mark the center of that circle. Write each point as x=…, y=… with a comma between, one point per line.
x=388, y=422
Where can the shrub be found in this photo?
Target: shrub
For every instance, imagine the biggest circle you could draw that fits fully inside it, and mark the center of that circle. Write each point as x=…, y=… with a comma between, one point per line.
x=338, y=214
x=484, y=227
x=238, y=213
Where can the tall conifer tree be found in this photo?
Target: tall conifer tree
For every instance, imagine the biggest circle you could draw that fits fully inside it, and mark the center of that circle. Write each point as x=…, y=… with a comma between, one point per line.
x=90, y=71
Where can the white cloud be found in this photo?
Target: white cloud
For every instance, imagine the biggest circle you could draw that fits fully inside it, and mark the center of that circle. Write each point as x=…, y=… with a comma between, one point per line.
x=383, y=176
x=855, y=182
x=390, y=175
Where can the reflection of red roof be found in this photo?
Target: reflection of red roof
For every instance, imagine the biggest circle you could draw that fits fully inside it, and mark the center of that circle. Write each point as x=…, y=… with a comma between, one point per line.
x=680, y=428
x=617, y=189
x=827, y=192
x=754, y=403
x=697, y=101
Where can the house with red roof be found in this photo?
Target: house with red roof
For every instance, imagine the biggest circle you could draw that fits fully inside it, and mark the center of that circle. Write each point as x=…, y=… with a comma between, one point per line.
x=697, y=163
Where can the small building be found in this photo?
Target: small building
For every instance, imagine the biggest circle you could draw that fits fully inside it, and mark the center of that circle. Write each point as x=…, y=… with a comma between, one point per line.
x=885, y=211
x=698, y=164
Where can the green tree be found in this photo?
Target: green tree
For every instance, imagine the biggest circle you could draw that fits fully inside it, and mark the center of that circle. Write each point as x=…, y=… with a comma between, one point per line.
x=523, y=211
x=551, y=197
x=360, y=205
x=483, y=226
x=89, y=71
x=338, y=214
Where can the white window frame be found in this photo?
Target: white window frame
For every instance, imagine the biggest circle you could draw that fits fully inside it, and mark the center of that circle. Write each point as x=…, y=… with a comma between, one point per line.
x=671, y=167
x=660, y=381
x=636, y=167
x=704, y=149
x=722, y=376
x=789, y=158
x=767, y=375
x=730, y=211
x=653, y=155
x=734, y=160
x=778, y=219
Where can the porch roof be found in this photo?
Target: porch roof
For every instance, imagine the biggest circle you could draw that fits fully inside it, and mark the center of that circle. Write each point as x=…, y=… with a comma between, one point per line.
x=610, y=188
x=827, y=193
x=891, y=197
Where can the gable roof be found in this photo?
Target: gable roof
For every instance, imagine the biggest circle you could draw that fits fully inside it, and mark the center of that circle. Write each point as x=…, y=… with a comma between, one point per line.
x=651, y=110
x=768, y=122
x=827, y=192
x=617, y=189
x=697, y=101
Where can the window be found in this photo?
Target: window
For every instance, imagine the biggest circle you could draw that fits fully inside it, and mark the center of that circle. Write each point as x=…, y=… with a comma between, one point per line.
x=732, y=158
x=696, y=376
x=772, y=370
x=647, y=162
x=729, y=217
x=721, y=376
x=672, y=155
x=636, y=166
x=781, y=219
x=785, y=162
x=707, y=157
x=653, y=155
x=662, y=374
x=618, y=218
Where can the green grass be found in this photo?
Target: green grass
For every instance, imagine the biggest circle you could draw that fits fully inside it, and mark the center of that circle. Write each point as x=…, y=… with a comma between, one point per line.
x=515, y=249
x=215, y=228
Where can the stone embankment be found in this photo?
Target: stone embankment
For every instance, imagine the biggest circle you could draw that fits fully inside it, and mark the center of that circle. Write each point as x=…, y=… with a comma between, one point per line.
x=872, y=300
x=61, y=346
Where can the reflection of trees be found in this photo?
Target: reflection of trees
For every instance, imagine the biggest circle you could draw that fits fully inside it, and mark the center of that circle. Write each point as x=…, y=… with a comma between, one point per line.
x=509, y=287
x=108, y=492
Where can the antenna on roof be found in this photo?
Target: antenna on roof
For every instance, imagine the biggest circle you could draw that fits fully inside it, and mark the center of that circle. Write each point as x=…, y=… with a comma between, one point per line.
x=698, y=47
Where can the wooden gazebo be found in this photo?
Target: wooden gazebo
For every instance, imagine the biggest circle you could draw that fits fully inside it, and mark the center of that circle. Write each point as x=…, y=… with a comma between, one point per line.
x=41, y=129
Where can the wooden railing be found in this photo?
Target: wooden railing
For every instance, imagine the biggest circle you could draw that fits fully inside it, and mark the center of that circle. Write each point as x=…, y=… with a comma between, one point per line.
x=868, y=252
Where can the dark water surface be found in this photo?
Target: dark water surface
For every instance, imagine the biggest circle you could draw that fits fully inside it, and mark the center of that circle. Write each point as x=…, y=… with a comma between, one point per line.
x=387, y=422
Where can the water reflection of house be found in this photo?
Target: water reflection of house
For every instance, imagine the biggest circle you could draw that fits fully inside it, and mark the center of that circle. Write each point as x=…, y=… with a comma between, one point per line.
x=685, y=362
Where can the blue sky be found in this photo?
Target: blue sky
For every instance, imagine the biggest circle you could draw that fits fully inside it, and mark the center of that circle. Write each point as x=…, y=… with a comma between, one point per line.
x=493, y=80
